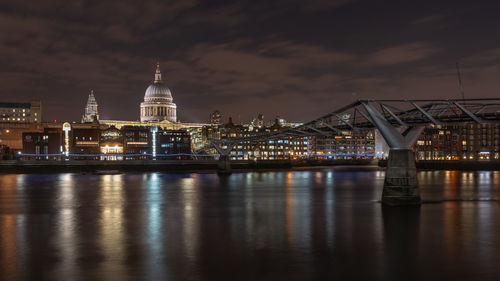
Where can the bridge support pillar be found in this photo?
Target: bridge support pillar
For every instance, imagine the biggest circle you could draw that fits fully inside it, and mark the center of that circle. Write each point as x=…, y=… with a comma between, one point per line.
x=400, y=184
x=224, y=165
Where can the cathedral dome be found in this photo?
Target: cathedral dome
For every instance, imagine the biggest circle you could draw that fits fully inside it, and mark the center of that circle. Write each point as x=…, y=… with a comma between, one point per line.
x=158, y=91
x=158, y=103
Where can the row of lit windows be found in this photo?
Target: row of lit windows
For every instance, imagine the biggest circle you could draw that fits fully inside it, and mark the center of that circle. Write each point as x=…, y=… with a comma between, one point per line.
x=83, y=138
x=14, y=110
x=14, y=119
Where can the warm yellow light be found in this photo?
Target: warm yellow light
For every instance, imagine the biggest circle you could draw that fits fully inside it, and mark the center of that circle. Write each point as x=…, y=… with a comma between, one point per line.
x=137, y=142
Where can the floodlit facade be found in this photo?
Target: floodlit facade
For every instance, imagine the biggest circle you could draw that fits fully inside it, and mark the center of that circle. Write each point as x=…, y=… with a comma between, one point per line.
x=158, y=102
x=91, y=112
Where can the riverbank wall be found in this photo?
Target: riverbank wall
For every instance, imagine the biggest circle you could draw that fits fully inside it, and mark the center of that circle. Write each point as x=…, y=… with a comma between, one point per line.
x=463, y=165
x=83, y=166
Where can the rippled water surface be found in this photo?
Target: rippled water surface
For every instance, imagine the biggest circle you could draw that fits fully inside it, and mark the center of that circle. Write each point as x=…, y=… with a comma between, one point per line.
x=320, y=224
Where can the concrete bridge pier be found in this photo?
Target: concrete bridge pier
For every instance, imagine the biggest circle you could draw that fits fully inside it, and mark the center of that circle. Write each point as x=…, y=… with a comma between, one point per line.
x=224, y=164
x=400, y=184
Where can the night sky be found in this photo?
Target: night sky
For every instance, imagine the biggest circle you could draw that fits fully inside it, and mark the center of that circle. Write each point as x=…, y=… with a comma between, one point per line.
x=296, y=58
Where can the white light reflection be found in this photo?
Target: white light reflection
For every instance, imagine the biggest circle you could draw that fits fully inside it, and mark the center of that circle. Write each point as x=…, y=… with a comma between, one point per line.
x=484, y=179
x=330, y=215
x=154, y=235
x=302, y=213
x=112, y=223
x=66, y=225
x=318, y=178
x=496, y=179
x=189, y=198
x=486, y=232
x=20, y=182
x=289, y=216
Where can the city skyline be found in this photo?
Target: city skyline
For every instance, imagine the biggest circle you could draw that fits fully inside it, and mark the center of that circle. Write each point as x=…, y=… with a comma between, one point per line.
x=249, y=140
x=243, y=58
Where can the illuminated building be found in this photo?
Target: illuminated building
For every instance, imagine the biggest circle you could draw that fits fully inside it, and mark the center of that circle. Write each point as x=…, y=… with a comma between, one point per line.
x=172, y=144
x=468, y=141
x=344, y=118
x=164, y=124
x=76, y=141
x=17, y=118
x=158, y=103
x=276, y=149
x=91, y=112
x=215, y=117
x=344, y=145
x=196, y=136
x=11, y=134
x=92, y=141
x=159, y=111
x=19, y=112
x=42, y=146
x=381, y=146
x=84, y=141
x=194, y=129
x=111, y=144
x=136, y=142
x=259, y=120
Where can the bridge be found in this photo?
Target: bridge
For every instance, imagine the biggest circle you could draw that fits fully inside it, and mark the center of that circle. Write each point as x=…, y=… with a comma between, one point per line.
x=400, y=123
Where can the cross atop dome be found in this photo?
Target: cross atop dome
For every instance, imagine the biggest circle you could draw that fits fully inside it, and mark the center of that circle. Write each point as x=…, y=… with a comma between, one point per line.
x=158, y=73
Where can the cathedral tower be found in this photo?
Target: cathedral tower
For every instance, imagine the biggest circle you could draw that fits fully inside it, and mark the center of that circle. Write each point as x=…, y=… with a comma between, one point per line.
x=91, y=112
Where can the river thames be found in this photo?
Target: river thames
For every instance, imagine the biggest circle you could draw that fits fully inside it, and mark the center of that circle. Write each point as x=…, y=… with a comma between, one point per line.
x=317, y=224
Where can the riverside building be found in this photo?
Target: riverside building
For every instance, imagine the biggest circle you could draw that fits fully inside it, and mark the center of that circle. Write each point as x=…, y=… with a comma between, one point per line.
x=344, y=145
x=21, y=112
x=17, y=118
x=44, y=145
x=158, y=110
x=468, y=141
x=91, y=141
x=276, y=149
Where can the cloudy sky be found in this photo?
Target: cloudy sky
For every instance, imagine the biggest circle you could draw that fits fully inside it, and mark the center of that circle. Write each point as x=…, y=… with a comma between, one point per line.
x=296, y=58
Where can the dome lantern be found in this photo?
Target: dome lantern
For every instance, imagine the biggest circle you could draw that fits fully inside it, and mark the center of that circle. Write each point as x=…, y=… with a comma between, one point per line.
x=158, y=73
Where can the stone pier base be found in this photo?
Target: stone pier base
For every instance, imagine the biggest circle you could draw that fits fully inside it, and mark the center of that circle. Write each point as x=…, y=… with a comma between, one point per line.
x=224, y=165
x=400, y=185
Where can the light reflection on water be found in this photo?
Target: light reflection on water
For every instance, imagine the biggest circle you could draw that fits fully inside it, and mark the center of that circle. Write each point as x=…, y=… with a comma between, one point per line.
x=290, y=225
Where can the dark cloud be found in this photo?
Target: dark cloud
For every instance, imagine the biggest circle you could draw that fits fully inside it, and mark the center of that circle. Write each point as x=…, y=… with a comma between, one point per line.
x=296, y=58
x=409, y=52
